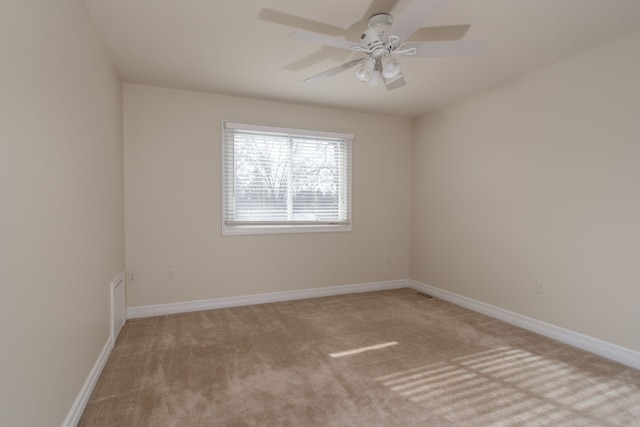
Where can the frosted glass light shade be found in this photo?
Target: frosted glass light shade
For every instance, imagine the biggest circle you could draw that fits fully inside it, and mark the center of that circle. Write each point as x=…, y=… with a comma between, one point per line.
x=390, y=67
x=365, y=71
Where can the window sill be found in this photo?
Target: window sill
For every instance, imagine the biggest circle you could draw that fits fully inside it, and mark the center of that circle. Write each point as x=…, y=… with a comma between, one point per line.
x=244, y=230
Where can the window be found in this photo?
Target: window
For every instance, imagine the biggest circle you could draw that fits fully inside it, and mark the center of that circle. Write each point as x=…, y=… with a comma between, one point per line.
x=279, y=180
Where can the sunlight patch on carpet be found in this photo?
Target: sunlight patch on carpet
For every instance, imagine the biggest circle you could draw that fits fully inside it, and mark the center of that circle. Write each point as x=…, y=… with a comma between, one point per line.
x=363, y=349
x=512, y=386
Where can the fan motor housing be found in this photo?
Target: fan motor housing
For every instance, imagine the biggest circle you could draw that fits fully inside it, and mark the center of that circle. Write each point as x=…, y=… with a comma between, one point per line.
x=374, y=36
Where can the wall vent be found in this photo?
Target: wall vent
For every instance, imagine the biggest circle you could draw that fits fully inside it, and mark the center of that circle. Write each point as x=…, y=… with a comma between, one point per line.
x=422, y=294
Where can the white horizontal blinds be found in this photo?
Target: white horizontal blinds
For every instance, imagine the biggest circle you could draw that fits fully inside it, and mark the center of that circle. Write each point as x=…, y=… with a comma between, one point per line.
x=277, y=176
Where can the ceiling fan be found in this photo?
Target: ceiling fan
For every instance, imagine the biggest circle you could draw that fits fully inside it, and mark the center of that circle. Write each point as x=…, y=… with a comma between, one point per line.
x=385, y=37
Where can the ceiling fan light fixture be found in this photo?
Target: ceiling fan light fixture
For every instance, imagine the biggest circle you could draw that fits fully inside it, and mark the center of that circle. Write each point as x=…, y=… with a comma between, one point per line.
x=390, y=67
x=385, y=37
x=365, y=71
x=374, y=79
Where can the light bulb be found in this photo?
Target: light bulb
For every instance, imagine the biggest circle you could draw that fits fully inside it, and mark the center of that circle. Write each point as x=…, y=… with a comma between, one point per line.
x=365, y=71
x=390, y=67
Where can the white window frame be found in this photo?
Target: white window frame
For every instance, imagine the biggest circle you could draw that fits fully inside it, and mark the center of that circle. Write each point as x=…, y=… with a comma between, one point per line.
x=248, y=228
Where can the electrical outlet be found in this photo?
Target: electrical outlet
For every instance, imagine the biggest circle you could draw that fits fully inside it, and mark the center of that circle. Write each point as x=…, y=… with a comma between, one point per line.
x=541, y=288
x=130, y=277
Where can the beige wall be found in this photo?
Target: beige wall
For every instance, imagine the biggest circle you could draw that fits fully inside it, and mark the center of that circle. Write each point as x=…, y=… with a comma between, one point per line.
x=61, y=206
x=538, y=179
x=172, y=199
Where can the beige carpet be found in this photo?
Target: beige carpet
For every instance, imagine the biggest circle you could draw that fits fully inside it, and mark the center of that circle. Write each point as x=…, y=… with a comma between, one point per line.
x=391, y=358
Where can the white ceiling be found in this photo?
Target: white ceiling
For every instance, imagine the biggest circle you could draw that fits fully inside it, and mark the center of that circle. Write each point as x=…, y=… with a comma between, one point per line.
x=241, y=47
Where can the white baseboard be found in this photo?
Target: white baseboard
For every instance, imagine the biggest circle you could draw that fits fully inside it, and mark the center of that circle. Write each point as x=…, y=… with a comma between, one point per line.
x=74, y=414
x=611, y=351
x=602, y=348
x=210, y=304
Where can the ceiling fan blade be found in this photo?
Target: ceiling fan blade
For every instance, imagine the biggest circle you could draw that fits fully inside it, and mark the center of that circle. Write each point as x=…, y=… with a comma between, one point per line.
x=282, y=18
x=335, y=70
x=444, y=48
x=394, y=82
x=410, y=15
x=322, y=39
